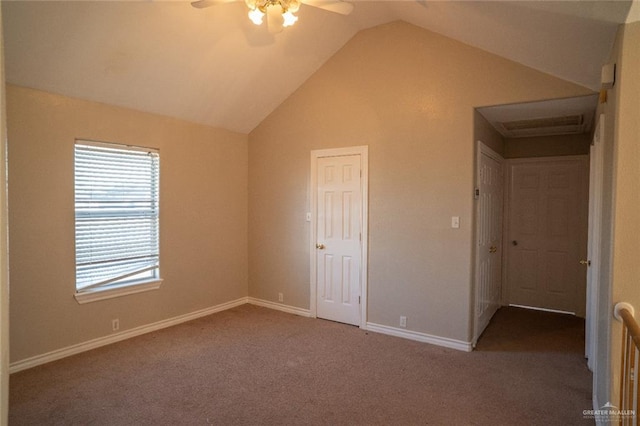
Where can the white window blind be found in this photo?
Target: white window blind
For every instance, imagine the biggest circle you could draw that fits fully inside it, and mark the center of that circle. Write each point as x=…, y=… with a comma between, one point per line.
x=117, y=214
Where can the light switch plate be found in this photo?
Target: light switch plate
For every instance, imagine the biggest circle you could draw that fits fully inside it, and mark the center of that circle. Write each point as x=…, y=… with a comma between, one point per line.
x=455, y=222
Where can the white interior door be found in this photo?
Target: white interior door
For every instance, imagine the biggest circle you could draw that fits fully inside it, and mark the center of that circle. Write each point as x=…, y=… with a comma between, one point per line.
x=547, y=231
x=596, y=170
x=338, y=242
x=4, y=262
x=488, y=286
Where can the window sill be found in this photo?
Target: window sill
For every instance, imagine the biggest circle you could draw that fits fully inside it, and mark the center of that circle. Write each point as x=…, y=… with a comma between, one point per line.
x=97, y=294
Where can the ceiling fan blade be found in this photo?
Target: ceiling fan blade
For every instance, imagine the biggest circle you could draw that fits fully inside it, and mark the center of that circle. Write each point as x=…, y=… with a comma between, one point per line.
x=201, y=4
x=337, y=6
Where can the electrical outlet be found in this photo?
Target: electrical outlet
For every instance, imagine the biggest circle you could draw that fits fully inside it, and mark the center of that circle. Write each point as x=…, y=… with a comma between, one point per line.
x=280, y=297
x=115, y=324
x=403, y=322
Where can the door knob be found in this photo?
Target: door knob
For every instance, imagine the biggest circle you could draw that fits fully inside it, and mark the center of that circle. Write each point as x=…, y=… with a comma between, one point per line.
x=493, y=249
x=320, y=246
x=514, y=242
x=585, y=262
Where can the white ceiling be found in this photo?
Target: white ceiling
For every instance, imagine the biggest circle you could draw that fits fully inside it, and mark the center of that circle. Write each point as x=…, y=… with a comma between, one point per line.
x=213, y=66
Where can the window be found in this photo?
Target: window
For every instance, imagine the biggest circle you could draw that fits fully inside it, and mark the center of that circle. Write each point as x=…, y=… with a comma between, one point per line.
x=116, y=220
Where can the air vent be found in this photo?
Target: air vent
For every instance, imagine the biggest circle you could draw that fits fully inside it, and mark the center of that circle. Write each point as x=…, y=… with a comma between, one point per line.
x=572, y=124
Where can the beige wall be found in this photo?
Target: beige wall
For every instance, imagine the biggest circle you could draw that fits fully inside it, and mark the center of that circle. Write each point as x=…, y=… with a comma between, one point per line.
x=547, y=146
x=409, y=94
x=203, y=217
x=623, y=112
x=484, y=131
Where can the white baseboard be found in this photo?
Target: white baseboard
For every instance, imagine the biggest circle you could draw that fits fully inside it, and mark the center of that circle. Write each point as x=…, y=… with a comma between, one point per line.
x=279, y=307
x=534, y=308
x=377, y=328
x=117, y=337
x=420, y=337
x=127, y=334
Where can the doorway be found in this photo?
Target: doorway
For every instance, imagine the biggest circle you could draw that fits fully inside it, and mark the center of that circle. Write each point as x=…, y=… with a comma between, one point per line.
x=338, y=242
x=536, y=132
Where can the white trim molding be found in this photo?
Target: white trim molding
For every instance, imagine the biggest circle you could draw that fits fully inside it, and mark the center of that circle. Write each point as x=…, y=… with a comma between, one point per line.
x=280, y=307
x=109, y=292
x=421, y=337
x=144, y=329
x=117, y=337
x=535, y=308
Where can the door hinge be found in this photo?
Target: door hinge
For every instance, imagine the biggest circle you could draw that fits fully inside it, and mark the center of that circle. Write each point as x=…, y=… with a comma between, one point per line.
x=359, y=300
x=476, y=193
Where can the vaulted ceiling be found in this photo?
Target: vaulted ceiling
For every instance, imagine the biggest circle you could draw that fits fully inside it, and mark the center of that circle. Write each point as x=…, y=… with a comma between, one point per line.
x=213, y=66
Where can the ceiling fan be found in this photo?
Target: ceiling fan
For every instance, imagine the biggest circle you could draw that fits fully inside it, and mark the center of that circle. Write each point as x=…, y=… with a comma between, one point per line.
x=279, y=13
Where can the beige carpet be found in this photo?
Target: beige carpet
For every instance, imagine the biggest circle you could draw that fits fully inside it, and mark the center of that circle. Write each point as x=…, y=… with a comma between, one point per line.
x=255, y=366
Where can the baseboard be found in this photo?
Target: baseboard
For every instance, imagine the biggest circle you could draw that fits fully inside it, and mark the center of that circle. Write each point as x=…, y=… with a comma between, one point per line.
x=127, y=334
x=117, y=337
x=377, y=328
x=534, y=308
x=420, y=337
x=279, y=307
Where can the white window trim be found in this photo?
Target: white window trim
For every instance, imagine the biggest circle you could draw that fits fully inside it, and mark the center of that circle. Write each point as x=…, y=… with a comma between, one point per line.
x=103, y=293
x=111, y=291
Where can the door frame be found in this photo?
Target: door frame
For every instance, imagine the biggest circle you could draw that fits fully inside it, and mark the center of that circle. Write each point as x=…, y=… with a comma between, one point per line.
x=363, y=151
x=482, y=148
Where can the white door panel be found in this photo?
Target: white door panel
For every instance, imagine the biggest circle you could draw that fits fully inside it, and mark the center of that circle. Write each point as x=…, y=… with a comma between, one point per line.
x=489, y=235
x=546, y=233
x=338, y=247
x=596, y=170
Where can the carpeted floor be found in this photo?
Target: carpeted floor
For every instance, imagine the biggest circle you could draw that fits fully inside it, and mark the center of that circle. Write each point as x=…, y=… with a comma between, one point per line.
x=255, y=366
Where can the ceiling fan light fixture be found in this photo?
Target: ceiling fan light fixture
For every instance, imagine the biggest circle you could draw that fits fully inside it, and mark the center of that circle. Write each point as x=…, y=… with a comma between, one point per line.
x=289, y=19
x=293, y=6
x=256, y=16
x=279, y=12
